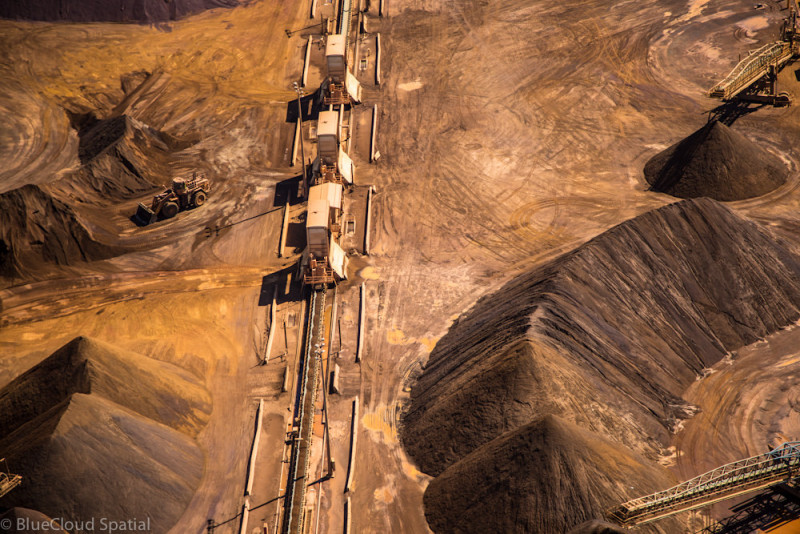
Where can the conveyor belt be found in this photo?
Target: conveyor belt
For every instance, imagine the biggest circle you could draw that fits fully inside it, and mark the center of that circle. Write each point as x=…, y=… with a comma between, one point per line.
x=737, y=478
x=295, y=498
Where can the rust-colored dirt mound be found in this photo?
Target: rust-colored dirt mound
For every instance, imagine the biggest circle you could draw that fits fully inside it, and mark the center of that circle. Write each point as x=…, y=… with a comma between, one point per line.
x=545, y=477
x=156, y=390
x=37, y=228
x=89, y=457
x=502, y=389
x=107, y=10
x=122, y=158
x=608, y=336
x=715, y=162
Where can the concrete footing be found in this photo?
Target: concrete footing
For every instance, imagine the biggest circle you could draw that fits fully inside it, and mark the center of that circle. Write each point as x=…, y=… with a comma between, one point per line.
x=353, y=435
x=368, y=220
x=373, y=150
x=272, y=319
x=296, y=144
x=306, y=63
x=286, y=380
x=361, y=319
x=284, y=231
x=378, y=59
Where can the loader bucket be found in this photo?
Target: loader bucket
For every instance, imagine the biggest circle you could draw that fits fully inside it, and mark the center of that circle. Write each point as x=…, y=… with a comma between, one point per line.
x=145, y=215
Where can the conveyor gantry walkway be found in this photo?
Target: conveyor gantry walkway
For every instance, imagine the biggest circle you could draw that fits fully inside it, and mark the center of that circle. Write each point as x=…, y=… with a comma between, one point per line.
x=8, y=482
x=295, y=497
x=752, y=68
x=779, y=465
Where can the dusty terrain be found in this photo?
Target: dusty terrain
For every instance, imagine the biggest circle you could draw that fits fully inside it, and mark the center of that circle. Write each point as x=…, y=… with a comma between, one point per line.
x=510, y=133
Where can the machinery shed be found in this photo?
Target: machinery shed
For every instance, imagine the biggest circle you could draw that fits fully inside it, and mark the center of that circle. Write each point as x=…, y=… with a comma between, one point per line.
x=317, y=227
x=335, y=56
x=328, y=133
x=330, y=193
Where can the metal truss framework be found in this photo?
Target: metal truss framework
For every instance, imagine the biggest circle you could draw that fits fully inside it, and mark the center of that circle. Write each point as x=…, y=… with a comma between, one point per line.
x=779, y=465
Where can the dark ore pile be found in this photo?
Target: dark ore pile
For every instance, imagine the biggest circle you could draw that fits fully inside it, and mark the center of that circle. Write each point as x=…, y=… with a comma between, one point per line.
x=96, y=431
x=715, y=162
x=141, y=11
x=544, y=477
x=37, y=228
x=121, y=158
x=692, y=280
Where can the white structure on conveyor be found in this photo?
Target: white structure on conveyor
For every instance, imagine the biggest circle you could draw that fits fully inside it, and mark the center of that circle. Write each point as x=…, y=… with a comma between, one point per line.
x=340, y=87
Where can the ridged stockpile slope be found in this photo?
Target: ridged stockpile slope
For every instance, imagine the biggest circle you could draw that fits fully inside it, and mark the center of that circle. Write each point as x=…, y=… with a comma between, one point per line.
x=107, y=10
x=157, y=390
x=121, y=158
x=36, y=228
x=606, y=337
x=715, y=162
x=547, y=476
x=100, y=432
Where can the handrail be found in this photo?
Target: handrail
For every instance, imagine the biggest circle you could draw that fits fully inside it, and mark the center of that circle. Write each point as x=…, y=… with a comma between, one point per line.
x=730, y=479
x=752, y=68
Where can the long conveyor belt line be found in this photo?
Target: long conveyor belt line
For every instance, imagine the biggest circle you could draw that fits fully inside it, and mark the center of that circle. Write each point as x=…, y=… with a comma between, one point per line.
x=294, y=500
x=737, y=478
x=345, y=13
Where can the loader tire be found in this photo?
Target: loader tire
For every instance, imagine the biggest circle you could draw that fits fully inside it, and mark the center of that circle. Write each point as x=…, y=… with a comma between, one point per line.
x=199, y=198
x=169, y=210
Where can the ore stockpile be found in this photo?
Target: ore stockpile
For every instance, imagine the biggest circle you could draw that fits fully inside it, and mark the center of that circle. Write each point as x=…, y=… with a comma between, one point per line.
x=593, y=350
x=570, y=301
x=716, y=162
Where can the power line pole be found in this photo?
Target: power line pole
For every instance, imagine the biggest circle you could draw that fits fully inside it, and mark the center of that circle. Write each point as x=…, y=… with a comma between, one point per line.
x=300, y=94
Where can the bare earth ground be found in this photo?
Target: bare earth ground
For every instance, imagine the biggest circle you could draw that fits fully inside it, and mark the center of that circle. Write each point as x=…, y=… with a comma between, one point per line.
x=510, y=132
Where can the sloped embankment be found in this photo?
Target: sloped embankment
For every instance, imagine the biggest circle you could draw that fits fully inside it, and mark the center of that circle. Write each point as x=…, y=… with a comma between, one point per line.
x=510, y=481
x=716, y=162
x=100, y=432
x=606, y=337
x=36, y=228
x=121, y=158
x=145, y=11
